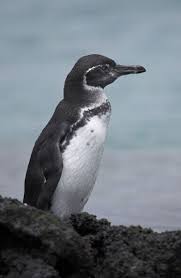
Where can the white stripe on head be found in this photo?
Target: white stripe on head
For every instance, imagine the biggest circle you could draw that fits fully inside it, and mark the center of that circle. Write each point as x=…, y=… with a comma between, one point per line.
x=99, y=92
x=88, y=87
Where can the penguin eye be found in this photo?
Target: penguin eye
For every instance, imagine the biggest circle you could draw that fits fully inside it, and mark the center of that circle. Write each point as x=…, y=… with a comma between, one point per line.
x=105, y=67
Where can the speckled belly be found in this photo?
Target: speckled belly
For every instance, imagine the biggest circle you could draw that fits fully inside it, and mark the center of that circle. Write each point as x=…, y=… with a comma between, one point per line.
x=81, y=160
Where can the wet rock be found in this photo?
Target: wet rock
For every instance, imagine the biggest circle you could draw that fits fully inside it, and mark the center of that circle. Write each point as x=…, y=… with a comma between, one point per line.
x=34, y=243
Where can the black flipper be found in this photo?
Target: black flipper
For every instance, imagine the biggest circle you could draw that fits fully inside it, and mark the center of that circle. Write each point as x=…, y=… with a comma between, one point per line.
x=45, y=166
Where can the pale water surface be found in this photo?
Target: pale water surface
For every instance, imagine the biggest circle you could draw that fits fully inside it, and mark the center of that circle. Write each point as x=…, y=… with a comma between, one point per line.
x=140, y=177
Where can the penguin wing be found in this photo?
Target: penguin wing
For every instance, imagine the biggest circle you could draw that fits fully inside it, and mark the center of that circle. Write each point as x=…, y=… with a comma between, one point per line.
x=45, y=167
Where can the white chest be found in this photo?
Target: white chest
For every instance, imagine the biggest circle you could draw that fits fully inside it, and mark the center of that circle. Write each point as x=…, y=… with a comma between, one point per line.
x=81, y=161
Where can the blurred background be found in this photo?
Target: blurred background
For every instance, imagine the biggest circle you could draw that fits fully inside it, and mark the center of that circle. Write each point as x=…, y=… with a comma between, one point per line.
x=40, y=40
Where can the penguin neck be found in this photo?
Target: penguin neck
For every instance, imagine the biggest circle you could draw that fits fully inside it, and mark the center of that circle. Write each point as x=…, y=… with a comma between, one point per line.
x=83, y=94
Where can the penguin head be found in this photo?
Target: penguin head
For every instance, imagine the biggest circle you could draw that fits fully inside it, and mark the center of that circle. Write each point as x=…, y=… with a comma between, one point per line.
x=94, y=72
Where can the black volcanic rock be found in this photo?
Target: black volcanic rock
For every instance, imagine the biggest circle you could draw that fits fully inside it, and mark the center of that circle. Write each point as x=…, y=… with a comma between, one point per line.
x=36, y=244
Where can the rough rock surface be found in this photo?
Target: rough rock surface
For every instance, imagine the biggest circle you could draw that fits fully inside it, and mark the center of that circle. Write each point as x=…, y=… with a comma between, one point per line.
x=36, y=244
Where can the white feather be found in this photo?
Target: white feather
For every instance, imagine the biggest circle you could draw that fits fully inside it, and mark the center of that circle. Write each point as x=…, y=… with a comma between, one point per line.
x=81, y=161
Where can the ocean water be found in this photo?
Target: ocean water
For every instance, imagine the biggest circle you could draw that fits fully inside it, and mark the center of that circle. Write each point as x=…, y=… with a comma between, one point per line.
x=40, y=40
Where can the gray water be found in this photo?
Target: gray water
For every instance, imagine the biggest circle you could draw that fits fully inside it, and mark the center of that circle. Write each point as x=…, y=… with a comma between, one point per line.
x=40, y=40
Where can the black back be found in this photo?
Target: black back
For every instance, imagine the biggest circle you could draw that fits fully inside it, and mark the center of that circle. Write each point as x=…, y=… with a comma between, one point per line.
x=45, y=163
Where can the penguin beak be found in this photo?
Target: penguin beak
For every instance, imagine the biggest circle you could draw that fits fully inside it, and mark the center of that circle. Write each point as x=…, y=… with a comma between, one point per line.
x=124, y=70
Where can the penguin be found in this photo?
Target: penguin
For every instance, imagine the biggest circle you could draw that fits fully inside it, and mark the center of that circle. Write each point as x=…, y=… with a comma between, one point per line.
x=64, y=163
